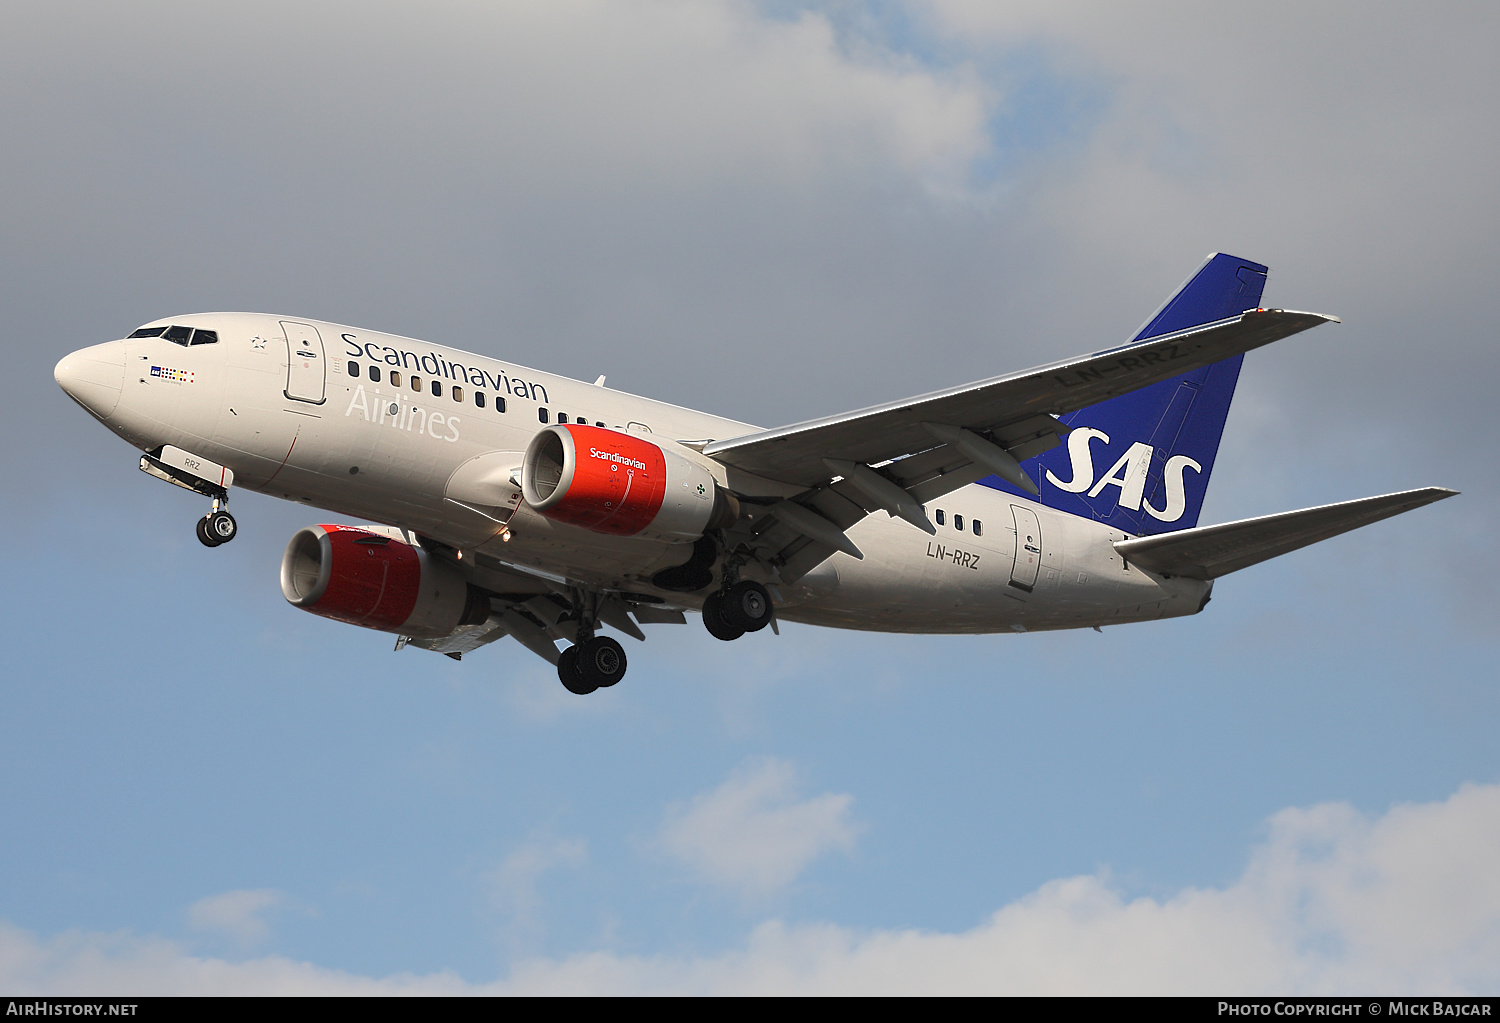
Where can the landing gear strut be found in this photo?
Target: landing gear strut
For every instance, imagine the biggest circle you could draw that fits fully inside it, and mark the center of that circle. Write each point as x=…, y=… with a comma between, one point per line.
x=594, y=662
x=743, y=607
x=217, y=527
x=201, y=476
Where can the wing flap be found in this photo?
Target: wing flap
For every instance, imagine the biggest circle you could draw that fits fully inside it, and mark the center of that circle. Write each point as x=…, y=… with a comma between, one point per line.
x=465, y=639
x=1208, y=552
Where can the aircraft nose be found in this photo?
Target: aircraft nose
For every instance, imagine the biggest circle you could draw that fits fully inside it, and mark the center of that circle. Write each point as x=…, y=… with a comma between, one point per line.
x=93, y=377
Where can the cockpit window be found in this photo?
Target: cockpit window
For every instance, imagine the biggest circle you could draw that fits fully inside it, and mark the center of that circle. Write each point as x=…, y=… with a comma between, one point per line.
x=178, y=335
x=205, y=337
x=149, y=332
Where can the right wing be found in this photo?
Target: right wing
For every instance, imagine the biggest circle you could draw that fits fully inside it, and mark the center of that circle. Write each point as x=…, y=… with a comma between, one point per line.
x=1208, y=552
x=898, y=456
x=794, y=454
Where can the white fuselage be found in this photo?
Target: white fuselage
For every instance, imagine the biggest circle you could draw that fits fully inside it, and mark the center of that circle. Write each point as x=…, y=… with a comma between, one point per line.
x=325, y=432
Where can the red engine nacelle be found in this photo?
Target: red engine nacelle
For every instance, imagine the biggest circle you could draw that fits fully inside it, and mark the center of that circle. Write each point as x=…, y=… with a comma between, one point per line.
x=621, y=484
x=364, y=578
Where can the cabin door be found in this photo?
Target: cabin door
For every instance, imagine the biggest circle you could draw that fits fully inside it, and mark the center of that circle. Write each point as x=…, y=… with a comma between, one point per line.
x=305, y=362
x=1028, y=549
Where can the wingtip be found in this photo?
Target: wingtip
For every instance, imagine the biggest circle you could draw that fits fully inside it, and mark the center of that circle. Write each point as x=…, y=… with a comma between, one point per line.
x=1428, y=495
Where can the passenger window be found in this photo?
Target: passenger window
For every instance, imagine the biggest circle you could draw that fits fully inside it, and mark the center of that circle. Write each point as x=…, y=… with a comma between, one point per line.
x=205, y=337
x=499, y=403
x=416, y=383
x=354, y=369
x=939, y=516
x=562, y=417
x=958, y=523
x=978, y=528
x=458, y=393
x=149, y=332
x=375, y=373
x=177, y=335
x=541, y=415
x=479, y=398
x=395, y=378
x=598, y=424
x=437, y=388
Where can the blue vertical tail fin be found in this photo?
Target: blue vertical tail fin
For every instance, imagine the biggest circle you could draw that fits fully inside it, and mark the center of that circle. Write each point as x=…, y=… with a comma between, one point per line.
x=1141, y=462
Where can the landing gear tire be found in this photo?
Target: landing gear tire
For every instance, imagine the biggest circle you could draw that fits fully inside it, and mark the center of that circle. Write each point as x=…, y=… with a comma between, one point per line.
x=203, y=536
x=569, y=675
x=746, y=606
x=601, y=662
x=219, y=527
x=714, y=621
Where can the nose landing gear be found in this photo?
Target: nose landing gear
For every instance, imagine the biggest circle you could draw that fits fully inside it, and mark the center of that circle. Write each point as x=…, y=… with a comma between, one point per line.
x=217, y=527
x=198, y=474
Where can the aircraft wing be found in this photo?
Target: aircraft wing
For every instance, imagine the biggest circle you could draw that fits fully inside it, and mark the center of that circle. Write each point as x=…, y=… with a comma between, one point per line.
x=534, y=610
x=794, y=454
x=1208, y=552
x=899, y=456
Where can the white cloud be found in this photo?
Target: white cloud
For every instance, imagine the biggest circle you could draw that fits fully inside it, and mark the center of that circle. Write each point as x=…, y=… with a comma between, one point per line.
x=102, y=964
x=238, y=915
x=1332, y=901
x=515, y=883
x=752, y=833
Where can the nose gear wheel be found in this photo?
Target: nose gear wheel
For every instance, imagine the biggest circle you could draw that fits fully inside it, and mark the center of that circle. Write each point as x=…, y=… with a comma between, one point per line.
x=217, y=527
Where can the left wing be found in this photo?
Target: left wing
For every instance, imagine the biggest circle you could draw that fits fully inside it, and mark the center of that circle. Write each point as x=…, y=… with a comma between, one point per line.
x=535, y=610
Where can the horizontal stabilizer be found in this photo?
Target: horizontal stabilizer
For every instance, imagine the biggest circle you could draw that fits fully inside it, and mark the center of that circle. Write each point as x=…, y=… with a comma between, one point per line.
x=1211, y=551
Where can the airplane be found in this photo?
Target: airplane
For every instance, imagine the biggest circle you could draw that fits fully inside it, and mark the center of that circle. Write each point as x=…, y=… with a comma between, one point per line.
x=504, y=501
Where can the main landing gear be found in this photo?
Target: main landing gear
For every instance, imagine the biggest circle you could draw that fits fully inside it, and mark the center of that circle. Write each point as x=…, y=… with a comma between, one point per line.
x=217, y=527
x=592, y=662
x=597, y=662
x=743, y=607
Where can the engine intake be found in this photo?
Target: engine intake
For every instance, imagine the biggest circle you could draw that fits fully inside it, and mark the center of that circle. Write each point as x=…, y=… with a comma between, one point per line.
x=621, y=484
x=376, y=581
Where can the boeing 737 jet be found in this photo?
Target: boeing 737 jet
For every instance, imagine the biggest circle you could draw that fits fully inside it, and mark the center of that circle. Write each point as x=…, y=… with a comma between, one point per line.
x=504, y=501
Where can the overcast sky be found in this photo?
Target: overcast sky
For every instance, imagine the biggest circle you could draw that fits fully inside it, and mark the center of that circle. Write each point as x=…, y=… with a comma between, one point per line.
x=769, y=211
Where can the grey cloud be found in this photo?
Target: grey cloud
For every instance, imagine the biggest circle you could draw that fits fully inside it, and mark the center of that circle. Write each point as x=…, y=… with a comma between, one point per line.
x=765, y=217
